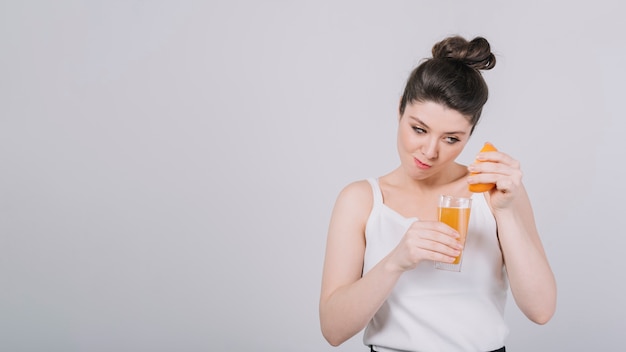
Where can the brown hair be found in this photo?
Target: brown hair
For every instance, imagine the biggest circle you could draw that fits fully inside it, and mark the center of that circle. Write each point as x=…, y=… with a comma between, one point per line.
x=452, y=77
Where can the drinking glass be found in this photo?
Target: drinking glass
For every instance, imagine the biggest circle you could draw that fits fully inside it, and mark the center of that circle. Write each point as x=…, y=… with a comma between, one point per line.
x=455, y=212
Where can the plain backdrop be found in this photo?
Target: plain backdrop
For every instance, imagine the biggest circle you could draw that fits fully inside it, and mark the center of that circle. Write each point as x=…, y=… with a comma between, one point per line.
x=168, y=168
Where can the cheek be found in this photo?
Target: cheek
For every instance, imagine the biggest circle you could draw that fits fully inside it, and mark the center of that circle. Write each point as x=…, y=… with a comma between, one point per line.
x=455, y=152
x=406, y=138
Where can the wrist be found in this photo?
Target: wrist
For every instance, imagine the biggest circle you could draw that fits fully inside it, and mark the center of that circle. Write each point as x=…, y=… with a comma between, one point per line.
x=391, y=267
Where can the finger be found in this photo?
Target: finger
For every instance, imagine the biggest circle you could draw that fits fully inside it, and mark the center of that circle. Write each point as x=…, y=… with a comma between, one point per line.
x=492, y=168
x=506, y=185
x=438, y=257
x=431, y=229
x=438, y=248
x=438, y=252
x=495, y=156
x=441, y=233
x=441, y=227
x=439, y=242
x=504, y=178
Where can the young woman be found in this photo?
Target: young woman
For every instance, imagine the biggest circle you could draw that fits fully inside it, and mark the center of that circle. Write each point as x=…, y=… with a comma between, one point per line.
x=384, y=234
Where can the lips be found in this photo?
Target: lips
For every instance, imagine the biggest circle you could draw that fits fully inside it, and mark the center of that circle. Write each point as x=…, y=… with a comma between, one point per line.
x=421, y=165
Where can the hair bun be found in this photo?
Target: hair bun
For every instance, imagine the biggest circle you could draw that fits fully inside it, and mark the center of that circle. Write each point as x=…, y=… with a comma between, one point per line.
x=475, y=54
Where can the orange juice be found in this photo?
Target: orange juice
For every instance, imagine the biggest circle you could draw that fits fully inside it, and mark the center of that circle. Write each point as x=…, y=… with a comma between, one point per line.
x=458, y=219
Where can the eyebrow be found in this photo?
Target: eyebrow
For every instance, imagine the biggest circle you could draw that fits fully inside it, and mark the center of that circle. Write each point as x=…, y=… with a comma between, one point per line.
x=425, y=125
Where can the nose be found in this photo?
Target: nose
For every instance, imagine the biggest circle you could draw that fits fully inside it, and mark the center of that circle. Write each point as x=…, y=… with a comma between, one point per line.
x=429, y=150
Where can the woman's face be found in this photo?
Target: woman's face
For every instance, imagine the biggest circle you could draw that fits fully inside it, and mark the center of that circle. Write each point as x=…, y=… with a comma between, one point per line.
x=430, y=138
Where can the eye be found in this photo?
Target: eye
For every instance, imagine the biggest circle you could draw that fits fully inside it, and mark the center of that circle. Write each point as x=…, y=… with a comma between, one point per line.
x=418, y=130
x=452, y=140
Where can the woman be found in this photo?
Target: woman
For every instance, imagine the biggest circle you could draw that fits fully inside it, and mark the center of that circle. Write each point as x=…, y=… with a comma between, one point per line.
x=384, y=234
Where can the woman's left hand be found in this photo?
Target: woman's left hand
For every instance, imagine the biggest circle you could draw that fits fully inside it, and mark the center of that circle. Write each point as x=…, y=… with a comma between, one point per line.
x=499, y=168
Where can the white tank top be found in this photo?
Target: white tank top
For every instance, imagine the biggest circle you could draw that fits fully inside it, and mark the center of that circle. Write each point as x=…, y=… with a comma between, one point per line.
x=438, y=310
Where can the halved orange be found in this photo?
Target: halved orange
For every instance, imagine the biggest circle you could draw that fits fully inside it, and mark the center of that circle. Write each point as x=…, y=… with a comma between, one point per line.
x=483, y=187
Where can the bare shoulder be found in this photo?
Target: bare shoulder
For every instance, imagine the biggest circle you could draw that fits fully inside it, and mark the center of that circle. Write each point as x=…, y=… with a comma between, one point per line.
x=357, y=194
x=359, y=190
x=354, y=202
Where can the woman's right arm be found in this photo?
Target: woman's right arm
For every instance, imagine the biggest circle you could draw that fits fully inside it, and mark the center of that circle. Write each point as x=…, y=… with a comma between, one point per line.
x=349, y=299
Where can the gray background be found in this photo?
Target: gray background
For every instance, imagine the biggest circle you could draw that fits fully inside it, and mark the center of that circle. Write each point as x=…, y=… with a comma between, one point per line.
x=168, y=168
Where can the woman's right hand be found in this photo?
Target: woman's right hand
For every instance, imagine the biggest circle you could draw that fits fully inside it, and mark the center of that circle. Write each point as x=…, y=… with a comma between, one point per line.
x=425, y=240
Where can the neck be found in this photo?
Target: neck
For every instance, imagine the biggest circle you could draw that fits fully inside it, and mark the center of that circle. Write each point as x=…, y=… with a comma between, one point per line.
x=443, y=179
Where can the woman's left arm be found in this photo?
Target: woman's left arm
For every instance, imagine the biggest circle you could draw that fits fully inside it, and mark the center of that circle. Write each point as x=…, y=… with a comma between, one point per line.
x=531, y=279
x=530, y=276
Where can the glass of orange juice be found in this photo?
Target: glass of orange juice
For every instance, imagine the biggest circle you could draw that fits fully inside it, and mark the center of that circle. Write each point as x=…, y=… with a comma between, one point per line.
x=455, y=212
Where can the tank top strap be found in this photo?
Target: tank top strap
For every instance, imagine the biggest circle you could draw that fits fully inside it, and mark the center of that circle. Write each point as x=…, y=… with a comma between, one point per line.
x=378, y=194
